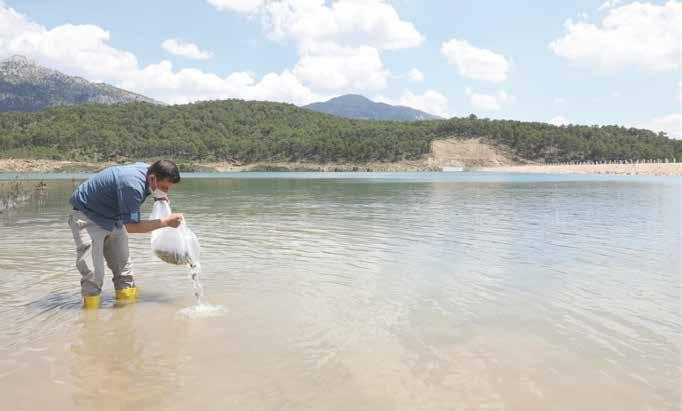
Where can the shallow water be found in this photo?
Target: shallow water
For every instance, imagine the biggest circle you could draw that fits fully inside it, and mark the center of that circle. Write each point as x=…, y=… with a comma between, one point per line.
x=362, y=292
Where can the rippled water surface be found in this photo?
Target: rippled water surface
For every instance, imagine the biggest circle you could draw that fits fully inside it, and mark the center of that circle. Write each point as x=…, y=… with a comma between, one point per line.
x=362, y=292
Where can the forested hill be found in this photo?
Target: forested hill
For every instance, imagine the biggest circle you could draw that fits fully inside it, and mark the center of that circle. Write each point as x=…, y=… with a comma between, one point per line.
x=235, y=130
x=361, y=108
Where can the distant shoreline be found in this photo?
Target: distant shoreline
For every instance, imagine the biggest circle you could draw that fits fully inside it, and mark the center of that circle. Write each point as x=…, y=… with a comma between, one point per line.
x=640, y=169
x=453, y=152
x=63, y=166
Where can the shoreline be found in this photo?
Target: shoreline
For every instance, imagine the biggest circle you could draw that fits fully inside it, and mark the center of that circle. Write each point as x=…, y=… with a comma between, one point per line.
x=637, y=169
x=452, y=152
x=21, y=166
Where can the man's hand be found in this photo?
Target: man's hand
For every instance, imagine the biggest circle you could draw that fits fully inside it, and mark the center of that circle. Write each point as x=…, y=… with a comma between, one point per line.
x=172, y=220
x=146, y=226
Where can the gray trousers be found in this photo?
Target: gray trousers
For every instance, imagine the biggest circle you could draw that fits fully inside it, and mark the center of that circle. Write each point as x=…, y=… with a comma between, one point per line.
x=94, y=246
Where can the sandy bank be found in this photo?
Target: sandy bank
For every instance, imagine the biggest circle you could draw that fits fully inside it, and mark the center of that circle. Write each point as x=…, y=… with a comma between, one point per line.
x=660, y=169
x=467, y=153
x=431, y=163
x=453, y=152
x=60, y=166
x=11, y=165
x=416, y=165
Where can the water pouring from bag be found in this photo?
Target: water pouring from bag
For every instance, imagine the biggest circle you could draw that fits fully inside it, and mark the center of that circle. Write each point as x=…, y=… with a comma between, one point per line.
x=180, y=246
x=177, y=246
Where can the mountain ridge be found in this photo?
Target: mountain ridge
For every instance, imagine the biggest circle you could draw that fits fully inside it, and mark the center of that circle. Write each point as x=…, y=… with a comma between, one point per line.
x=359, y=107
x=28, y=86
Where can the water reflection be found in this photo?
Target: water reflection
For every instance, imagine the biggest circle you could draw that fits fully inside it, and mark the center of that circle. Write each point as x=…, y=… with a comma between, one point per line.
x=117, y=362
x=358, y=294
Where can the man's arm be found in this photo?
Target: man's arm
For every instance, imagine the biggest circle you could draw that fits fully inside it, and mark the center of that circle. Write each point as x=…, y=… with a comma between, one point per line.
x=146, y=226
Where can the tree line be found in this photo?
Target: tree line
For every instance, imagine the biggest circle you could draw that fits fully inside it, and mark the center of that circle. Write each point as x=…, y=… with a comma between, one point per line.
x=248, y=131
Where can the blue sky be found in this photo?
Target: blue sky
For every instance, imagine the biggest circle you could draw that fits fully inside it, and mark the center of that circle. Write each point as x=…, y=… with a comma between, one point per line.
x=581, y=62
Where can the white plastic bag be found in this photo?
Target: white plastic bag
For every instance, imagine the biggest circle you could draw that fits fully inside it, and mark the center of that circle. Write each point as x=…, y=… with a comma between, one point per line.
x=173, y=245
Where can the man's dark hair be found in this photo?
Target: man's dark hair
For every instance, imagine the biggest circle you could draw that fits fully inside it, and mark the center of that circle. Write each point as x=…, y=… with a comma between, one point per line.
x=165, y=170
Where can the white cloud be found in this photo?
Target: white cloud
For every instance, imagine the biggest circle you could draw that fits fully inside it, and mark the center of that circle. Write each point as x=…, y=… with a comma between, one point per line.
x=475, y=63
x=185, y=49
x=338, y=43
x=415, y=75
x=352, y=23
x=608, y=4
x=342, y=68
x=559, y=100
x=84, y=50
x=638, y=34
x=187, y=85
x=559, y=121
x=489, y=102
x=78, y=49
x=430, y=102
x=671, y=124
x=243, y=6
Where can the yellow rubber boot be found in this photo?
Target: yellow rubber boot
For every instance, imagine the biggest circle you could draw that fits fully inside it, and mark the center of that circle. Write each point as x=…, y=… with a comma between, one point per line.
x=91, y=302
x=128, y=295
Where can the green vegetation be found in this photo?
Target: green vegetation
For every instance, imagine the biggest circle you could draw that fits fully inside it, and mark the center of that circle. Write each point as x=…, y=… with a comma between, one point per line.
x=246, y=132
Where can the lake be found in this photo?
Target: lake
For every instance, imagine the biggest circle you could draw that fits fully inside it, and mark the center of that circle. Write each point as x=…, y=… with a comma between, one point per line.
x=361, y=291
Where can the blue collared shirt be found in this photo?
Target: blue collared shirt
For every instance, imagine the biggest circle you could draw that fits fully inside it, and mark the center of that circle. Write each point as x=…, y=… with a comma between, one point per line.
x=112, y=197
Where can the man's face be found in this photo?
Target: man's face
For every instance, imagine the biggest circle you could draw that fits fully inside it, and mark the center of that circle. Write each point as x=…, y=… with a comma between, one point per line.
x=163, y=185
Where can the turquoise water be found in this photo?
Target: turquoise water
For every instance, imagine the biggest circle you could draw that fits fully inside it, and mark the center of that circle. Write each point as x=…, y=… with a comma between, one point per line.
x=371, y=291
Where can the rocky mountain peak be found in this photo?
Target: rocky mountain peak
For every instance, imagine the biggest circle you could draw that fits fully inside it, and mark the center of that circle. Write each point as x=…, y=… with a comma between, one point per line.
x=20, y=60
x=22, y=69
x=27, y=86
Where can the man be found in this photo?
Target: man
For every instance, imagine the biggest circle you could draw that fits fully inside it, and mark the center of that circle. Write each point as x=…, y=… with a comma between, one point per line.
x=106, y=208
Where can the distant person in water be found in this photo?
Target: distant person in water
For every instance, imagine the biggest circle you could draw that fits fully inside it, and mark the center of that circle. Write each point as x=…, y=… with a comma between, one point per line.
x=106, y=208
